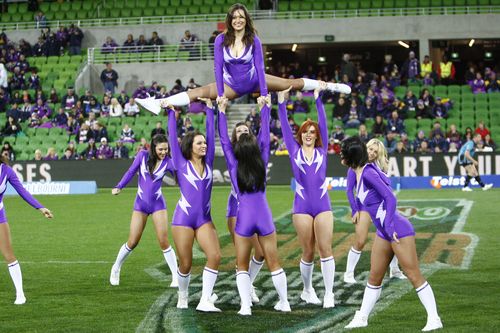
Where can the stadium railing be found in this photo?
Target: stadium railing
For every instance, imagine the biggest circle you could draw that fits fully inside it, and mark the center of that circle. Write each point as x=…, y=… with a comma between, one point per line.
x=260, y=15
x=161, y=53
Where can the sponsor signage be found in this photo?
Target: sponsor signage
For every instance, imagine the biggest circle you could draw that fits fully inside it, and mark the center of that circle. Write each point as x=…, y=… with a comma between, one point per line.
x=53, y=188
x=107, y=173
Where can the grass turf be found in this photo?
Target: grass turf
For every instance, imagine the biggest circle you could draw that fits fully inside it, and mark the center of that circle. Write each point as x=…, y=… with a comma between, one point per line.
x=66, y=264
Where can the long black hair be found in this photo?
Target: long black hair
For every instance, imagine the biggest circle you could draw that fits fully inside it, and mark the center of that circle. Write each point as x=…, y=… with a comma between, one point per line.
x=353, y=152
x=187, y=144
x=153, y=157
x=251, y=168
x=250, y=31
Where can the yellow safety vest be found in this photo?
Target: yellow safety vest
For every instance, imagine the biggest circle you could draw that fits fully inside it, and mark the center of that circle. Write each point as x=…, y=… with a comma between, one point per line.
x=445, y=69
x=426, y=68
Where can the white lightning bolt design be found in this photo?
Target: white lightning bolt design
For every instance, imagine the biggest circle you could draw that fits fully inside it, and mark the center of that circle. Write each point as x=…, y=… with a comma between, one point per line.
x=208, y=208
x=208, y=176
x=3, y=186
x=158, y=194
x=184, y=204
x=144, y=169
x=160, y=173
x=191, y=178
x=381, y=213
x=299, y=161
x=362, y=193
x=298, y=189
x=318, y=159
x=324, y=187
x=139, y=191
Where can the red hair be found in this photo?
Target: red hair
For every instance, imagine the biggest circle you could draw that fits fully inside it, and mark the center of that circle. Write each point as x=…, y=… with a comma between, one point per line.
x=304, y=127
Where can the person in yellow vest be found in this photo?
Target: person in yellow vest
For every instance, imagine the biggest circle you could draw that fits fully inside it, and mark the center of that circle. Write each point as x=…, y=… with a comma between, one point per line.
x=426, y=66
x=446, y=71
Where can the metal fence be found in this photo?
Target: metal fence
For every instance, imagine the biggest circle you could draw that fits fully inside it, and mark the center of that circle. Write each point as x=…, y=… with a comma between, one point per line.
x=260, y=15
x=151, y=53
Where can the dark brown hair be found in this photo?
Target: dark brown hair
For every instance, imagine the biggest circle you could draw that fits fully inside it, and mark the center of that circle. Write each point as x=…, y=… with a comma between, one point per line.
x=153, y=157
x=187, y=144
x=250, y=31
x=233, y=135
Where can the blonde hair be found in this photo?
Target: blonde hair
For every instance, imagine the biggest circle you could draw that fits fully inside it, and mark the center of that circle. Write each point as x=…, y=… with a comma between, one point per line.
x=382, y=161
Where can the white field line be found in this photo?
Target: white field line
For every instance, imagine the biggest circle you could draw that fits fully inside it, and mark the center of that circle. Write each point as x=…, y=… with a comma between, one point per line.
x=67, y=262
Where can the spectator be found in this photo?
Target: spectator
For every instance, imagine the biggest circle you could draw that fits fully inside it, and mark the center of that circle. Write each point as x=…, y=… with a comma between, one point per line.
x=72, y=126
x=62, y=37
x=299, y=105
x=368, y=109
x=492, y=83
x=410, y=101
x=421, y=111
x=400, y=148
x=158, y=129
x=15, y=113
x=145, y=144
x=40, y=48
x=131, y=108
x=105, y=106
x=123, y=99
x=109, y=46
x=127, y=134
x=482, y=130
x=427, y=98
x=438, y=143
x=379, y=128
x=83, y=135
x=338, y=134
x=11, y=127
x=396, y=123
x=69, y=155
x=93, y=107
x=254, y=119
x=141, y=91
x=40, y=20
x=188, y=43
x=453, y=136
x=400, y=107
x=154, y=89
x=42, y=110
x=411, y=68
x=104, y=152
x=61, y=118
x=423, y=148
x=426, y=67
x=211, y=41
x=348, y=68
x=360, y=85
x=26, y=111
x=293, y=126
x=155, y=39
x=38, y=155
x=53, y=97
x=446, y=71
x=177, y=87
x=403, y=138
x=467, y=135
x=439, y=110
x=436, y=128
x=17, y=81
x=417, y=143
x=99, y=131
x=75, y=37
x=34, y=80
x=120, y=151
x=332, y=147
x=340, y=109
x=428, y=80
x=22, y=63
x=192, y=85
x=488, y=142
x=388, y=66
x=354, y=118
x=187, y=126
x=115, y=109
x=8, y=151
x=53, y=46
x=142, y=44
x=363, y=133
x=90, y=153
x=69, y=100
x=478, y=85
x=51, y=155
x=109, y=78
x=390, y=140
x=470, y=75
x=276, y=129
x=129, y=44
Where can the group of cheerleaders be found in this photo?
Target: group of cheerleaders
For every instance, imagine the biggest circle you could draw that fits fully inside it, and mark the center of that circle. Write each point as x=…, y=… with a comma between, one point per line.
x=239, y=70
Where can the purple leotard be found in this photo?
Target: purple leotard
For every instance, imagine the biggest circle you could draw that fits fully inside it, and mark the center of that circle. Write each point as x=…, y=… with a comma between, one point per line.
x=149, y=198
x=193, y=208
x=311, y=192
x=378, y=200
x=8, y=175
x=232, y=204
x=253, y=213
x=244, y=74
x=356, y=205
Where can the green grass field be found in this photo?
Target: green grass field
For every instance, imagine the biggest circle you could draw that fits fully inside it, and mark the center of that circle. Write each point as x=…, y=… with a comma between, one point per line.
x=66, y=264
